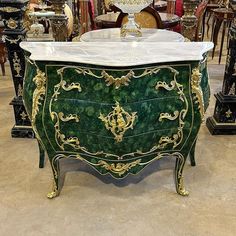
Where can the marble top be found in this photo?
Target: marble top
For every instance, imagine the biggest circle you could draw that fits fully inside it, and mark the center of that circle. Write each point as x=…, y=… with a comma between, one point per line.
x=148, y=35
x=117, y=54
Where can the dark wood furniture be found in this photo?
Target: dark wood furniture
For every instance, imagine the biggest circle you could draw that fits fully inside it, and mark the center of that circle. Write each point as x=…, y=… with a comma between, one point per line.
x=211, y=5
x=12, y=13
x=223, y=120
x=221, y=16
x=160, y=5
x=109, y=20
x=147, y=18
x=200, y=12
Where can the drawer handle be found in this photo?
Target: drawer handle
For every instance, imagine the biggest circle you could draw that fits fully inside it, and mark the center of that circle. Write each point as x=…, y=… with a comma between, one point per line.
x=118, y=121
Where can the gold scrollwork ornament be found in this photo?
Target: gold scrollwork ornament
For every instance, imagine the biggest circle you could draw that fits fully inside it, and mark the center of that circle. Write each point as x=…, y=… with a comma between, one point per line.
x=23, y=115
x=40, y=82
x=181, y=189
x=20, y=91
x=9, y=9
x=118, y=168
x=12, y=24
x=196, y=89
x=118, y=121
x=16, y=65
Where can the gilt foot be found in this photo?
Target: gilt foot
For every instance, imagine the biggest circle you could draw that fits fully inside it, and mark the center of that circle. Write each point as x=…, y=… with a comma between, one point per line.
x=181, y=189
x=52, y=194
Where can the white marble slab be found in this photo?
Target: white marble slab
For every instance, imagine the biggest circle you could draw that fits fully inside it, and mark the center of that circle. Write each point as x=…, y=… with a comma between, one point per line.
x=148, y=35
x=116, y=54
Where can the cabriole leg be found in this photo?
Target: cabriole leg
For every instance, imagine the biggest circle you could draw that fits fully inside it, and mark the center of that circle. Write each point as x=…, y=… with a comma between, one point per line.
x=192, y=154
x=56, y=176
x=41, y=155
x=179, y=181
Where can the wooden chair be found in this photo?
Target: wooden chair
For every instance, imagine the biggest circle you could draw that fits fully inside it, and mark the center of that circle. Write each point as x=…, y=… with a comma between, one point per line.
x=223, y=16
x=147, y=18
x=200, y=11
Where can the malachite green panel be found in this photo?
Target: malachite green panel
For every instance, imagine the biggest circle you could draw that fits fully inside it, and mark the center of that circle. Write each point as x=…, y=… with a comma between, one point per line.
x=118, y=120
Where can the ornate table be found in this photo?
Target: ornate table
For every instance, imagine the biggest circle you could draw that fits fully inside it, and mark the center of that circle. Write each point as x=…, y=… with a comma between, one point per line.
x=109, y=20
x=116, y=106
x=148, y=35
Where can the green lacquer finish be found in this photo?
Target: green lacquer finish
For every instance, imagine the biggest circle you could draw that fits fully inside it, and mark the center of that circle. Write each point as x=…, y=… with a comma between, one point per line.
x=118, y=120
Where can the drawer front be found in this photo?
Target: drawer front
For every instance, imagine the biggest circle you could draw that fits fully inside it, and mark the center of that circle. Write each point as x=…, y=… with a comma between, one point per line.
x=124, y=86
x=150, y=112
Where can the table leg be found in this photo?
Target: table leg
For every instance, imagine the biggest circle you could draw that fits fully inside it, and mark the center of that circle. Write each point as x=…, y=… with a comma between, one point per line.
x=203, y=24
x=222, y=39
x=3, y=69
x=216, y=30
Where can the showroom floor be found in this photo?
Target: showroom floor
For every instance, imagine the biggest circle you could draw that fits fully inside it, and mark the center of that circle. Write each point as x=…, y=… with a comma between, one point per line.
x=145, y=204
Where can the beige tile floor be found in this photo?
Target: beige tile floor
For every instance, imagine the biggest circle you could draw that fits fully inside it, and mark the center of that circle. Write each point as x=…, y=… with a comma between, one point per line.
x=142, y=205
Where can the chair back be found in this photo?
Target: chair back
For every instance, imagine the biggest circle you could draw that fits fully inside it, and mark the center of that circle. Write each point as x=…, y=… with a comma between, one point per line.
x=147, y=18
x=199, y=14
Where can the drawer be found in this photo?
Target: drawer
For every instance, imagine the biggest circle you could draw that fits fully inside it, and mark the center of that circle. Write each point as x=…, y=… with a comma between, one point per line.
x=159, y=121
x=97, y=85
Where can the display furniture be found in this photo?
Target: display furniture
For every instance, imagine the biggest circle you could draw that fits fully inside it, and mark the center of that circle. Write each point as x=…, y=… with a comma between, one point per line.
x=223, y=120
x=59, y=21
x=189, y=19
x=12, y=13
x=116, y=106
x=224, y=17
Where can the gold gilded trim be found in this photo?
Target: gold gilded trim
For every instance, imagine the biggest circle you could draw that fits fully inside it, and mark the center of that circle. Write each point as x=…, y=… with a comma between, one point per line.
x=20, y=91
x=23, y=115
x=118, y=168
x=175, y=139
x=17, y=65
x=196, y=89
x=223, y=123
x=9, y=9
x=68, y=118
x=118, y=121
x=11, y=23
x=54, y=193
x=109, y=79
x=38, y=94
x=12, y=41
x=181, y=189
x=70, y=86
x=169, y=116
x=123, y=80
x=40, y=82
